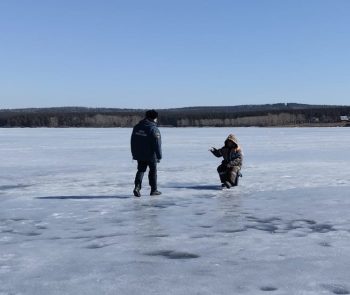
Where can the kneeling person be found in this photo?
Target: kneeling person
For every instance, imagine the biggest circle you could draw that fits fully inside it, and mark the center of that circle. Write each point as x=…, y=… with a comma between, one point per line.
x=230, y=167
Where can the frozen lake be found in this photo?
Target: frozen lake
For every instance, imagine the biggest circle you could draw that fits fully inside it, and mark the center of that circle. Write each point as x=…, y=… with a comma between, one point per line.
x=70, y=225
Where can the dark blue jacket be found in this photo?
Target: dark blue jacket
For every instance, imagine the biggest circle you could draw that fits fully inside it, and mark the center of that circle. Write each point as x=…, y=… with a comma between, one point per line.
x=146, y=144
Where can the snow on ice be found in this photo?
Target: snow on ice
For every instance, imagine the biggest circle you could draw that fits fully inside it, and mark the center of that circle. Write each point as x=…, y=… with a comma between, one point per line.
x=70, y=225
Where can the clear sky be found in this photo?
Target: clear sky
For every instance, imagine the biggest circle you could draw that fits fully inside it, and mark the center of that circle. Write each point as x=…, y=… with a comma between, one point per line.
x=159, y=54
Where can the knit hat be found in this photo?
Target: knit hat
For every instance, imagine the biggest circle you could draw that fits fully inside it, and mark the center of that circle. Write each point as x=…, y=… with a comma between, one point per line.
x=151, y=114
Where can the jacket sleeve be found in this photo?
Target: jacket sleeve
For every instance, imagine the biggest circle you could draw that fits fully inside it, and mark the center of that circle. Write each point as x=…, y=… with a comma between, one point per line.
x=217, y=153
x=133, y=144
x=237, y=161
x=157, y=143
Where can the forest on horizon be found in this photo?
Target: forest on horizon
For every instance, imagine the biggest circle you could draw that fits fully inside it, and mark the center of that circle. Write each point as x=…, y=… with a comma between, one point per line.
x=267, y=115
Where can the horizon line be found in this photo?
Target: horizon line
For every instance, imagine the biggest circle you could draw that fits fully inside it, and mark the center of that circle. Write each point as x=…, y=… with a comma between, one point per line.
x=171, y=108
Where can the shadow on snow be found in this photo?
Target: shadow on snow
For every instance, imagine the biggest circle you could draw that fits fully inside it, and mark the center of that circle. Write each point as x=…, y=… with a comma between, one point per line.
x=197, y=187
x=82, y=197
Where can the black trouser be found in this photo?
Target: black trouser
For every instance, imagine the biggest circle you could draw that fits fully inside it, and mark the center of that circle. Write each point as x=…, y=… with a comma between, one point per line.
x=152, y=174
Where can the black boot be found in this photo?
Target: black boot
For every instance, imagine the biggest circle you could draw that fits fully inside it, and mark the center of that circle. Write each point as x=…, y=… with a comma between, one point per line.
x=138, y=183
x=227, y=184
x=137, y=192
x=155, y=192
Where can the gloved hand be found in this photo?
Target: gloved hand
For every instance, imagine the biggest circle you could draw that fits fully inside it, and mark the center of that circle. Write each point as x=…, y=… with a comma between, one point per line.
x=158, y=160
x=215, y=152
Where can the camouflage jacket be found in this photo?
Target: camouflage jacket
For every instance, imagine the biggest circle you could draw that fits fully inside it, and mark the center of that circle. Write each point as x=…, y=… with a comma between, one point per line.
x=232, y=157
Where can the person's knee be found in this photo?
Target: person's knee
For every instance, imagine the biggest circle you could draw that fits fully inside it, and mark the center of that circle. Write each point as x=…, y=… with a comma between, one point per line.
x=141, y=168
x=220, y=169
x=153, y=167
x=232, y=174
x=236, y=169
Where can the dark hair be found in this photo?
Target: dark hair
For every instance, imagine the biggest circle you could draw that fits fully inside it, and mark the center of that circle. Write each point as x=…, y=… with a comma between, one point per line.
x=151, y=114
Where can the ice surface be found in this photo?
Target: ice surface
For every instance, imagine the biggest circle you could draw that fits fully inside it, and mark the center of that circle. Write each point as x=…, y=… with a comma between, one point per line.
x=70, y=225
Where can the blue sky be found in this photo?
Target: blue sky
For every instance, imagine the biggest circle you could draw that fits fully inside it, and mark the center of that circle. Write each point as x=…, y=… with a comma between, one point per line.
x=159, y=54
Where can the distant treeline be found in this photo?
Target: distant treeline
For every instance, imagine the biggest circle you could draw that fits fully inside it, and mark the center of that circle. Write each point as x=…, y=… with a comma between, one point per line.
x=241, y=116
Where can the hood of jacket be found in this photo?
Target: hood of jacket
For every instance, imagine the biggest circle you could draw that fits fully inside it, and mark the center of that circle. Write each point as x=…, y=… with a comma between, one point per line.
x=232, y=138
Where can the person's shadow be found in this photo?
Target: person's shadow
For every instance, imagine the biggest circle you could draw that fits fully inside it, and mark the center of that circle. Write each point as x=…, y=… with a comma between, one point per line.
x=83, y=197
x=198, y=187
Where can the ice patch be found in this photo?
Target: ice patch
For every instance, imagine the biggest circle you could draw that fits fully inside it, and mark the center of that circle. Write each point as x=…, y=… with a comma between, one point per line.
x=72, y=225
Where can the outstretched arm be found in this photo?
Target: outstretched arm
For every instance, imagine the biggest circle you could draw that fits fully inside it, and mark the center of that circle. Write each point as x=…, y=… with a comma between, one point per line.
x=217, y=153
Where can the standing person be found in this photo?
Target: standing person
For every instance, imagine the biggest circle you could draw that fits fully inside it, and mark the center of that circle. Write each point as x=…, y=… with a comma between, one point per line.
x=146, y=148
x=230, y=167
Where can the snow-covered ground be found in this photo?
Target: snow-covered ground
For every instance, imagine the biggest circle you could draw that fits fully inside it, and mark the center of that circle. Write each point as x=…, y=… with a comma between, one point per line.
x=70, y=225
